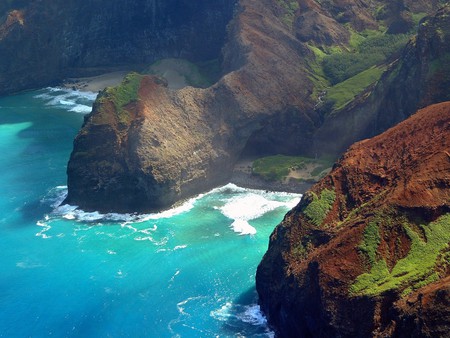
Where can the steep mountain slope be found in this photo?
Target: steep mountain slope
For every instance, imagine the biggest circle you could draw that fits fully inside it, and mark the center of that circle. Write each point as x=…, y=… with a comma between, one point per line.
x=418, y=77
x=366, y=251
x=43, y=41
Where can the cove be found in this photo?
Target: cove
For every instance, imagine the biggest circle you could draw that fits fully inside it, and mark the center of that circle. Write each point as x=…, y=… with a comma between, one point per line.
x=184, y=272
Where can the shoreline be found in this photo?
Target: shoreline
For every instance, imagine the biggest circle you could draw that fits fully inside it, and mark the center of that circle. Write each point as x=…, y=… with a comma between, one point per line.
x=95, y=83
x=246, y=180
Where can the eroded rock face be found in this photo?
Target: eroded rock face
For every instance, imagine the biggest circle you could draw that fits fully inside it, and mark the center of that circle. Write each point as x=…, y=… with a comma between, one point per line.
x=43, y=41
x=178, y=143
x=419, y=77
x=354, y=257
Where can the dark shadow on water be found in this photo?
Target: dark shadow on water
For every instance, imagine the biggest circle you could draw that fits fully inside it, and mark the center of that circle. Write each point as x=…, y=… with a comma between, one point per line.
x=245, y=319
x=33, y=211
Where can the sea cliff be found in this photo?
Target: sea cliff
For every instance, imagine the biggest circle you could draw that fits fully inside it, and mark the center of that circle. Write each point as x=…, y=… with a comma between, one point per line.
x=366, y=251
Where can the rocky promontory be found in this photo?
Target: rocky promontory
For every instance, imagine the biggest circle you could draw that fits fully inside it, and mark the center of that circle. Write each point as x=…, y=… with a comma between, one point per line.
x=177, y=143
x=145, y=146
x=366, y=251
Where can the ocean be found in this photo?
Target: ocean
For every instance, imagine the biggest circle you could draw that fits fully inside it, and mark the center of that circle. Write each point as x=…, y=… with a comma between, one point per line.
x=184, y=272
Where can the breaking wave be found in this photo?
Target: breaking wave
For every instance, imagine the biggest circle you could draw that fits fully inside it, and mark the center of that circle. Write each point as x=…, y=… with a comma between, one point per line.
x=71, y=100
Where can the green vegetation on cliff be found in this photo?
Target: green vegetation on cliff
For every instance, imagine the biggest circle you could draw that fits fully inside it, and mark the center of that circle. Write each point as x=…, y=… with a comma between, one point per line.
x=127, y=91
x=342, y=93
x=415, y=270
x=344, y=72
x=369, y=49
x=278, y=167
x=290, y=7
x=124, y=94
x=318, y=209
x=371, y=241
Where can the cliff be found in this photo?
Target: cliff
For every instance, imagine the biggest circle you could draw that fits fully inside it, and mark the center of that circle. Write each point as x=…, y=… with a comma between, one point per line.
x=418, y=77
x=175, y=144
x=180, y=143
x=366, y=251
x=44, y=41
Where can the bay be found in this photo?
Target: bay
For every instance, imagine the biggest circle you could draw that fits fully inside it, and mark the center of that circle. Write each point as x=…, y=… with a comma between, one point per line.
x=185, y=272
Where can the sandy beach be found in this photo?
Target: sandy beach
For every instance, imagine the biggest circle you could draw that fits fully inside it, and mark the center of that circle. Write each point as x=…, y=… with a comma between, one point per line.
x=96, y=83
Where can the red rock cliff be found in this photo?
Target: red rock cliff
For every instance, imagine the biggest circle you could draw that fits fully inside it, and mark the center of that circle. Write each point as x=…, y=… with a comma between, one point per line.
x=366, y=251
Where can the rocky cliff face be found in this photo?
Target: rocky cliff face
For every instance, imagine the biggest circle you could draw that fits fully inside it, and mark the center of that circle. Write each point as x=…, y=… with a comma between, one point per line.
x=193, y=137
x=179, y=143
x=366, y=251
x=419, y=77
x=43, y=41
x=266, y=101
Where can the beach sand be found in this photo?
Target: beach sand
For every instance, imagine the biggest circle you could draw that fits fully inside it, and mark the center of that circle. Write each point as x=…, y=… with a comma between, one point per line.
x=96, y=83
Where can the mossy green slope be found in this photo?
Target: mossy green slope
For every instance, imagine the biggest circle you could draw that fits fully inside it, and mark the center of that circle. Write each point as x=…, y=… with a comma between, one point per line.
x=414, y=271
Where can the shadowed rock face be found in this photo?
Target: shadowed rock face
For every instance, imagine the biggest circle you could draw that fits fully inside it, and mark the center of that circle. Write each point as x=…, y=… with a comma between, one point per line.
x=146, y=149
x=354, y=258
x=43, y=41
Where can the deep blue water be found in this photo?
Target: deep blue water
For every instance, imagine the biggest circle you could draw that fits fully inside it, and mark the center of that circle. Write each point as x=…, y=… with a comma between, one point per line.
x=186, y=272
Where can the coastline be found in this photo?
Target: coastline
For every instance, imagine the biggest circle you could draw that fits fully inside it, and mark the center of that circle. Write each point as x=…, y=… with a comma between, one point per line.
x=245, y=179
x=95, y=83
x=242, y=174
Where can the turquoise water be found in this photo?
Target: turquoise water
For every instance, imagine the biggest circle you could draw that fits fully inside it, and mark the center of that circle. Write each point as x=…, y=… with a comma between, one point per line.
x=186, y=272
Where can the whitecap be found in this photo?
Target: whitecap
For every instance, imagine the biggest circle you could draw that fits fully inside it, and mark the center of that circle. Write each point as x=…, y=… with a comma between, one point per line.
x=224, y=313
x=72, y=100
x=238, y=314
x=243, y=205
x=45, y=227
x=82, y=109
x=74, y=212
x=252, y=315
x=242, y=227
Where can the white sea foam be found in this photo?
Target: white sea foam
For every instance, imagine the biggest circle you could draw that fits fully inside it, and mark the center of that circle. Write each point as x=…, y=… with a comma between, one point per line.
x=224, y=313
x=242, y=227
x=72, y=100
x=45, y=227
x=252, y=315
x=57, y=195
x=239, y=204
x=245, y=205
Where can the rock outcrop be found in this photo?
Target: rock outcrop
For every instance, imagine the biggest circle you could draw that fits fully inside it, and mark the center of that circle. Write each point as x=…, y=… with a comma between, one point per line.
x=366, y=251
x=179, y=143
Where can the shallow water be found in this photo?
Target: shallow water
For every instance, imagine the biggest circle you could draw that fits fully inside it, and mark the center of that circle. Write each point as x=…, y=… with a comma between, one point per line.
x=186, y=272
